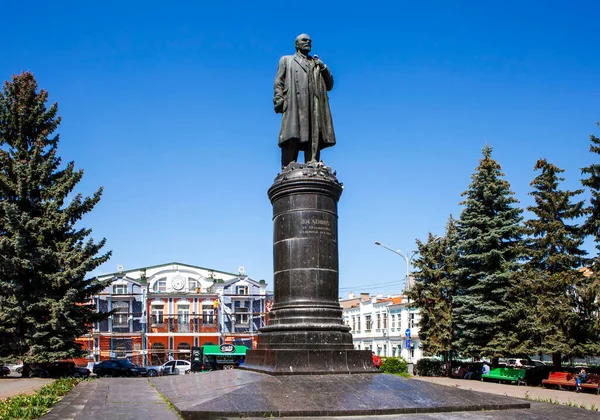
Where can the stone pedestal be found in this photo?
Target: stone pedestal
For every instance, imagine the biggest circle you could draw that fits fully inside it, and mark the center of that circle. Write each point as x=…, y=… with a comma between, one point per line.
x=305, y=332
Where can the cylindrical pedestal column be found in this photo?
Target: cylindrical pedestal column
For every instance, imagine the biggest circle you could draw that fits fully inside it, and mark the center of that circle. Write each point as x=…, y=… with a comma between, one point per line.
x=306, y=333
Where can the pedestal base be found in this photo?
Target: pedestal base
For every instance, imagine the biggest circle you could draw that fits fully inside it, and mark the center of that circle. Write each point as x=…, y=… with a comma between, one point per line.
x=309, y=362
x=235, y=393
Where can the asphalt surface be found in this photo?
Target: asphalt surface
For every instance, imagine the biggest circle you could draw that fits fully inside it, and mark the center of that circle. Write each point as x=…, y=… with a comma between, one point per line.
x=13, y=385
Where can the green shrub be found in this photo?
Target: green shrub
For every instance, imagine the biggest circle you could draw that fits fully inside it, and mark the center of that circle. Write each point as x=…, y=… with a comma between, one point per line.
x=396, y=365
x=26, y=407
x=430, y=367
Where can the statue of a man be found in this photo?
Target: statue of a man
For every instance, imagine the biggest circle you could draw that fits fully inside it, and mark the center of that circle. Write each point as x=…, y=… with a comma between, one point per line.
x=301, y=87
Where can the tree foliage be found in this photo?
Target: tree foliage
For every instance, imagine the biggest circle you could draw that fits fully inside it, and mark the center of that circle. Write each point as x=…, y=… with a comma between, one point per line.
x=589, y=291
x=489, y=245
x=44, y=253
x=546, y=291
x=434, y=290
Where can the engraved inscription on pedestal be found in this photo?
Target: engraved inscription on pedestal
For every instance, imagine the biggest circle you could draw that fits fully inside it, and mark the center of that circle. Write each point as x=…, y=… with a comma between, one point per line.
x=315, y=226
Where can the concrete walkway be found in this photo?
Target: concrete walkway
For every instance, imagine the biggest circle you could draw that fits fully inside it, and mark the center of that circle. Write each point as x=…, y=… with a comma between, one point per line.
x=137, y=399
x=114, y=399
x=535, y=393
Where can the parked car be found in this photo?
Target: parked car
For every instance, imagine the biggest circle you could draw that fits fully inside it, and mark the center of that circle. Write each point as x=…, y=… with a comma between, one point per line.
x=17, y=368
x=172, y=367
x=57, y=370
x=118, y=367
x=517, y=362
x=4, y=370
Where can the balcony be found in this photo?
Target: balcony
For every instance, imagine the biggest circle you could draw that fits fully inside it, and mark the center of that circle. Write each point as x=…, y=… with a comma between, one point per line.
x=175, y=326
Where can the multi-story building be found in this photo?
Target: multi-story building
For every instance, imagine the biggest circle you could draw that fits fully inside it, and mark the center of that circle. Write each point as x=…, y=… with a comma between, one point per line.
x=243, y=309
x=165, y=310
x=385, y=325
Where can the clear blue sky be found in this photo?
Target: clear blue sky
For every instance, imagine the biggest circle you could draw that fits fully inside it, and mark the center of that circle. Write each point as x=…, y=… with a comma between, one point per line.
x=169, y=107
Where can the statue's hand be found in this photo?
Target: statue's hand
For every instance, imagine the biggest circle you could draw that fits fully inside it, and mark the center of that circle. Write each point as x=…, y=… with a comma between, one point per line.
x=318, y=62
x=278, y=102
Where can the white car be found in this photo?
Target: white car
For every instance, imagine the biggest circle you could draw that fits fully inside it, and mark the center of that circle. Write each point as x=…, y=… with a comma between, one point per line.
x=172, y=367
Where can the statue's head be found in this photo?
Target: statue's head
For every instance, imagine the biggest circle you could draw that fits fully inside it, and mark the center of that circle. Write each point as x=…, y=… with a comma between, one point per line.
x=303, y=43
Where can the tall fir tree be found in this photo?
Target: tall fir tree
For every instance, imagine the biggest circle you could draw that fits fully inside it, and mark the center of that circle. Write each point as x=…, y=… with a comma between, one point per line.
x=44, y=254
x=590, y=292
x=433, y=293
x=490, y=245
x=551, y=273
x=591, y=225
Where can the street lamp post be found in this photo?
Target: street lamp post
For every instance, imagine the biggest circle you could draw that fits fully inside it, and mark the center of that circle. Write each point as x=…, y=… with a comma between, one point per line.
x=407, y=259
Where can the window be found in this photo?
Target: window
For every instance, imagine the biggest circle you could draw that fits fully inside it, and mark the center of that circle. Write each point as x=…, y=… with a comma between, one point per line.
x=119, y=289
x=378, y=321
x=183, y=318
x=384, y=320
x=353, y=323
x=207, y=314
x=393, y=322
x=161, y=285
x=358, y=323
x=193, y=285
x=368, y=322
x=412, y=321
x=157, y=354
x=157, y=314
x=183, y=353
x=241, y=290
x=121, y=313
x=241, y=315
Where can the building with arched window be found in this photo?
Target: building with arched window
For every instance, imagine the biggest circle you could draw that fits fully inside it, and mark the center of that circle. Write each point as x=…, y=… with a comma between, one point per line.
x=163, y=311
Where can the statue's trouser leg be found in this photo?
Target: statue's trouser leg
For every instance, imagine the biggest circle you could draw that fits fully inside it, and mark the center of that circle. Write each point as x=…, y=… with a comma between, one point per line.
x=312, y=153
x=289, y=152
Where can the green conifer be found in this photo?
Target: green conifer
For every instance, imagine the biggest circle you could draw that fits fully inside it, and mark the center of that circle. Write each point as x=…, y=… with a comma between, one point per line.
x=590, y=291
x=433, y=292
x=45, y=254
x=551, y=273
x=489, y=244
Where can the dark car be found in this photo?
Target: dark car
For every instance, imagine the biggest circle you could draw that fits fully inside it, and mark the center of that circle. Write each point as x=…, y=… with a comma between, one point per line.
x=4, y=370
x=56, y=370
x=118, y=367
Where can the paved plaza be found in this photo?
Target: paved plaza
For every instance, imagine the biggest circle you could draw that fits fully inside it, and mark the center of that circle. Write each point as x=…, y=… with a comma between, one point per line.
x=138, y=399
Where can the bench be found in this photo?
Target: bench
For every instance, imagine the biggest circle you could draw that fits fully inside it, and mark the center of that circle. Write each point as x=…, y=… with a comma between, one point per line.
x=566, y=379
x=506, y=375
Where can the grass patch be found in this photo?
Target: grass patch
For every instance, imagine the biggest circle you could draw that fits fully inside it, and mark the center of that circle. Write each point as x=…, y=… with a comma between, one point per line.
x=26, y=407
x=167, y=402
x=568, y=403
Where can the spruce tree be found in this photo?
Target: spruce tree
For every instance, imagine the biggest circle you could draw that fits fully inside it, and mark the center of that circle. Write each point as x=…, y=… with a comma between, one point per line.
x=489, y=244
x=591, y=225
x=44, y=253
x=433, y=293
x=552, y=274
x=589, y=292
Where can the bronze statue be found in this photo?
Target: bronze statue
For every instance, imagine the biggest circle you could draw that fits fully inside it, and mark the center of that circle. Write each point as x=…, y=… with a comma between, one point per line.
x=301, y=87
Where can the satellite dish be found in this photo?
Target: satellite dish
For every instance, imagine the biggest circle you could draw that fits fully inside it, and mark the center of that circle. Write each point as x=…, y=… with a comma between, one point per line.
x=241, y=270
x=120, y=268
